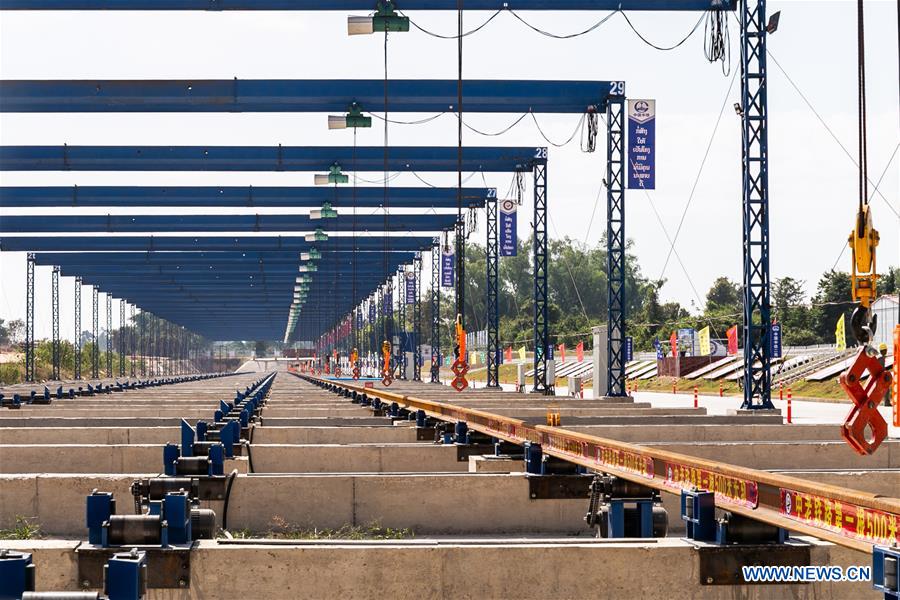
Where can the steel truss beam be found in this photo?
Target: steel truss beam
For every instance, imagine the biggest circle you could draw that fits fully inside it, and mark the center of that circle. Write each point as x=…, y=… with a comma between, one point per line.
x=54, y=307
x=29, y=318
x=78, y=328
x=436, y=312
x=417, y=321
x=401, y=322
x=615, y=248
x=492, y=261
x=133, y=339
x=540, y=259
x=755, y=167
x=122, y=349
x=95, y=328
x=109, y=357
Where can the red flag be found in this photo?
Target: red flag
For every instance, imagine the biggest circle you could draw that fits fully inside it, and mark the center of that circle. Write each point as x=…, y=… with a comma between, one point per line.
x=562, y=352
x=673, y=341
x=579, y=351
x=732, y=340
x=507, y=354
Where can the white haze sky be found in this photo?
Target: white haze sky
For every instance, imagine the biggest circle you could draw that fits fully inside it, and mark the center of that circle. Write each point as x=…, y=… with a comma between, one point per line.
x=812, y=180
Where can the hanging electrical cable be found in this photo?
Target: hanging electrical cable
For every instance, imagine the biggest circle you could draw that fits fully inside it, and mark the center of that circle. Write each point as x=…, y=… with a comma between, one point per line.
x=664, y=48
x=716, y=40
x=456, y=35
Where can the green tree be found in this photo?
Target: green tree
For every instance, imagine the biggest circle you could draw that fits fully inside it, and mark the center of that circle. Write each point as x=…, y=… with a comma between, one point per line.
x=791, y=310
x=832, y=299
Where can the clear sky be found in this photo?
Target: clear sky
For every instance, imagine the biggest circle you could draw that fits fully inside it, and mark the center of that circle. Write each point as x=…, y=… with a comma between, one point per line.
x=813, y=181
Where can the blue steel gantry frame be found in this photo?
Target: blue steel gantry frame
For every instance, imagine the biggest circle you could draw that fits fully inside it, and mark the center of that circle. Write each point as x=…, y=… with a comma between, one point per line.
x=310, y=96
x=54, y=308
x=755, y=168
x=78, y=328
x=492, y=256
x=436, y=311
x=615, y=248
x=29, y=317
x=422, y=159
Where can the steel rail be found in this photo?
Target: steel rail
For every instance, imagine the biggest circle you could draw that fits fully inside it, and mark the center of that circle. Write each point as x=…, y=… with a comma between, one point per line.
x=850, y=518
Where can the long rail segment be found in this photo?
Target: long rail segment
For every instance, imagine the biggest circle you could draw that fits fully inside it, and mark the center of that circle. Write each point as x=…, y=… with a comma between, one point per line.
x=846, y=517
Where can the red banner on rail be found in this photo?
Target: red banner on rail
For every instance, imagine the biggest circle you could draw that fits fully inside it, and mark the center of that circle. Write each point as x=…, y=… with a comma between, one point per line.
x=726, y=488
x=866, y=524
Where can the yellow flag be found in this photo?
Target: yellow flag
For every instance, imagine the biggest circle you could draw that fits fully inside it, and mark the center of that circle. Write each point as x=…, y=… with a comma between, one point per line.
x=705, y=349
x=473, y=358
x=522, y=353
x=840, y=334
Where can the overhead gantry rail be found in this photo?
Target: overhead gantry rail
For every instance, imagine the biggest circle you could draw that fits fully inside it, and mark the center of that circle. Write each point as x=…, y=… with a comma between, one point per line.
x=219, y=223
x=368, y=5
x=238, y=197
x=152, y=244
x=495, y=159
x=303, y=95
x=850, y=518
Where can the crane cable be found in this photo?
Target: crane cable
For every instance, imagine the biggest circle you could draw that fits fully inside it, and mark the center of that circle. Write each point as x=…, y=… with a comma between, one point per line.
x=861, y=79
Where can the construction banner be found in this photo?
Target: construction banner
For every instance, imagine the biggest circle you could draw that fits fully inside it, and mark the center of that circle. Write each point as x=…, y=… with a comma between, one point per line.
x=732, y=334
x=840, y=334
x=522, y=356
x=579, y=351
x=703, y=334
x=562, y=352
x=507, y=354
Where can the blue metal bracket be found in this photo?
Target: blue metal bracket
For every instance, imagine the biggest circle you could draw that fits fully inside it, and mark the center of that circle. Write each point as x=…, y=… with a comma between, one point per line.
x=16, y=574
x=885, y=563
x=125, y=576
x=698, y=511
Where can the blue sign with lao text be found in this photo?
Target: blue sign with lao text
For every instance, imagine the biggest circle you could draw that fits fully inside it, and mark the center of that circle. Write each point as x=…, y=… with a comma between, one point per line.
x=629, y=349
x=642, y=144
x=410, y=287
x=448, y=268
x=508, y=234
x=775, y=341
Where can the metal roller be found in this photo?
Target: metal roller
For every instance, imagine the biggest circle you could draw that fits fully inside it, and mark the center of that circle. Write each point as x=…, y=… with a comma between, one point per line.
x=157, y=487
x=193, y=465
x=203, y=523
x=139, y=530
